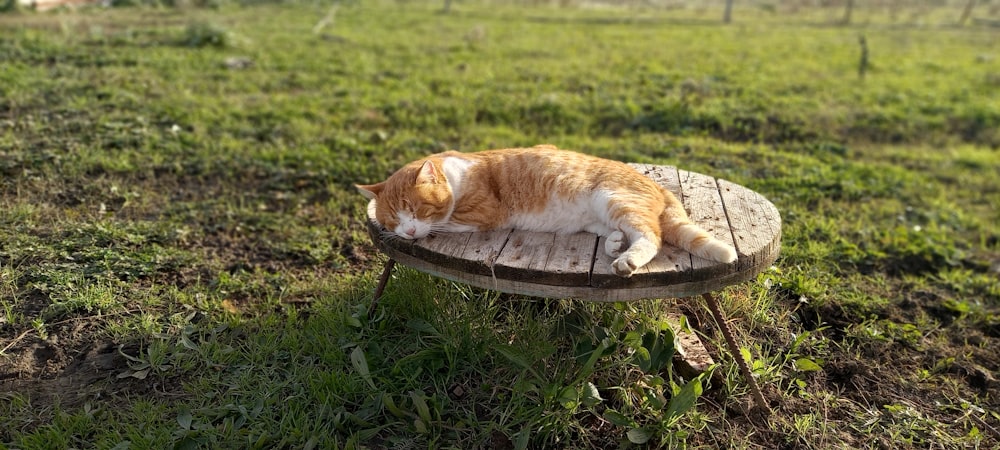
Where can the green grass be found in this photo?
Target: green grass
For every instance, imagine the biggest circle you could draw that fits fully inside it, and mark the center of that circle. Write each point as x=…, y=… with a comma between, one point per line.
x=184, y=262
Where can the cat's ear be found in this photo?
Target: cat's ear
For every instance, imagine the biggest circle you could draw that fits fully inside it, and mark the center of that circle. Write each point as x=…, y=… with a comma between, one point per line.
x=370, y=190
x=429, y=174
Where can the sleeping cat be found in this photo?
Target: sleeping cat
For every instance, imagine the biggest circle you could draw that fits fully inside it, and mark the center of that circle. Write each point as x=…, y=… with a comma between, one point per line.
x=541, y=189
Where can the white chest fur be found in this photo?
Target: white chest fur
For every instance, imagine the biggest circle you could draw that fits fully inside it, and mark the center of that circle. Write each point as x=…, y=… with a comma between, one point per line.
x=454, y=171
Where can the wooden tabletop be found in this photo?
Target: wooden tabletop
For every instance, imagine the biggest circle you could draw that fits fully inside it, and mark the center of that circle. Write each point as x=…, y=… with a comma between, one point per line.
x=575, y=266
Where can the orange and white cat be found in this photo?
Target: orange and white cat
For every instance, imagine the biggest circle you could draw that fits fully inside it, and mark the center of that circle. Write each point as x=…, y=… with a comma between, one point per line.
x=541, y=189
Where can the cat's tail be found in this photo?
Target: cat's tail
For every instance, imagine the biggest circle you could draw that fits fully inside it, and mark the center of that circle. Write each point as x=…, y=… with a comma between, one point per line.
x=680, y=231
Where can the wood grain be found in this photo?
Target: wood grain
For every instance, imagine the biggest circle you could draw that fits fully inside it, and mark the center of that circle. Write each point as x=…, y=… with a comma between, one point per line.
x=704, y=206
x=525, y=255
x=571, y=259
x=754, y=222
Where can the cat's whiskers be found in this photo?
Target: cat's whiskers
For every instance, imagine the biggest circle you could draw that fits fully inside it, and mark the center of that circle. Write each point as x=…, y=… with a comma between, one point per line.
x=439, y=227
x=389, y=235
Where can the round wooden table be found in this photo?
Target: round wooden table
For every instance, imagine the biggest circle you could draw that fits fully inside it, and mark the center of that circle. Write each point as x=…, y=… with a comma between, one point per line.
x=575, y=266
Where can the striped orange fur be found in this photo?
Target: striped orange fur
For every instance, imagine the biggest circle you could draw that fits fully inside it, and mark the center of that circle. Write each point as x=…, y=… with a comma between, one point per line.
x=541, y=188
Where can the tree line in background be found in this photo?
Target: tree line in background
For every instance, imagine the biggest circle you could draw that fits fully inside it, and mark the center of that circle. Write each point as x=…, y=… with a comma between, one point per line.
x=982, y=12
x=895, y=10
x=895, y=7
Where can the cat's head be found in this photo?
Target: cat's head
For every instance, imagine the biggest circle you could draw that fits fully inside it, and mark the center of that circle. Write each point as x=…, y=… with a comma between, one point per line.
x=412, y=200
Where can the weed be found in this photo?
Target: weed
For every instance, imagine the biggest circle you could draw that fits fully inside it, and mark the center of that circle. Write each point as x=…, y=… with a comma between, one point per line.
x=206, y=34
x=174, y=353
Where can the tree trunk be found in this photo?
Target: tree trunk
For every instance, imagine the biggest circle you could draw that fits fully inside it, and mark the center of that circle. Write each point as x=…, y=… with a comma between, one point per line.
x=728, y=15
x=967, y=12
x=847, y=12
x=863, y=61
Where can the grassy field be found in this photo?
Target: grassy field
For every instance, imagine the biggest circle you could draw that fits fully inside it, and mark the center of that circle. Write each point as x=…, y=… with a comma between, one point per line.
x=184, y=264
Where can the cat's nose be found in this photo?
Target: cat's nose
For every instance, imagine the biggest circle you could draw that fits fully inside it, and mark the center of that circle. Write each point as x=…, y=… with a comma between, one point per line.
x=411, y=231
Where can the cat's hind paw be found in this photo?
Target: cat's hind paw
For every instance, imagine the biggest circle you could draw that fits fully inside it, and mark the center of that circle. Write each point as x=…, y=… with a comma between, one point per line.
x=614, y=245
x=717, y=250
x=624, y=266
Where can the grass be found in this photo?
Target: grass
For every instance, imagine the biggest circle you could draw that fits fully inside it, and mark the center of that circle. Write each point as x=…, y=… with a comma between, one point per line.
x=183, y=261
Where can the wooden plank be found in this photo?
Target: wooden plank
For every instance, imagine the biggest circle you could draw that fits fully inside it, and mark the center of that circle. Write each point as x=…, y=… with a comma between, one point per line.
x=755, y=223
x=525, y=256
x=671, y=265
x=443, y=248
x=571, y=258
x=602, y=275
x=480, y=255
x=704, y=206
x=483, y=249
x=547, y=258
x=691, y=358
x=665, y=176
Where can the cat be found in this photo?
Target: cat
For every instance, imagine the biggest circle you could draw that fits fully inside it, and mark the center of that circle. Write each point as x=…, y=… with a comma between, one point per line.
x=543, y=189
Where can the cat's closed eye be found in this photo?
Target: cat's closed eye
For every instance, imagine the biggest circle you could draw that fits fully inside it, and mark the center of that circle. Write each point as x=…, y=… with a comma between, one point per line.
x=425, y=211
x=391, y=220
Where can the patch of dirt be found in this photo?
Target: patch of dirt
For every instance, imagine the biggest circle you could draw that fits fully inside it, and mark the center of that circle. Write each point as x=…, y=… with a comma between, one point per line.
x=71, y=365
x=937, y=373
x=45, y=363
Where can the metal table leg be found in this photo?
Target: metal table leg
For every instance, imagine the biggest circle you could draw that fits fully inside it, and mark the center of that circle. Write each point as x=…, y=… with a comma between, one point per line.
x=382, y=281
x=713, y=305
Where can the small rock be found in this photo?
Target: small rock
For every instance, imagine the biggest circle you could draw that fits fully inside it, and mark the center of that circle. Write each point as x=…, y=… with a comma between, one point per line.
x=238, y=62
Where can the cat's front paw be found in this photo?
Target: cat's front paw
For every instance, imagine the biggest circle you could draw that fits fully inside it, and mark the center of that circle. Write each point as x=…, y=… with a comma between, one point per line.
x=624, y=266
x=614, y=244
